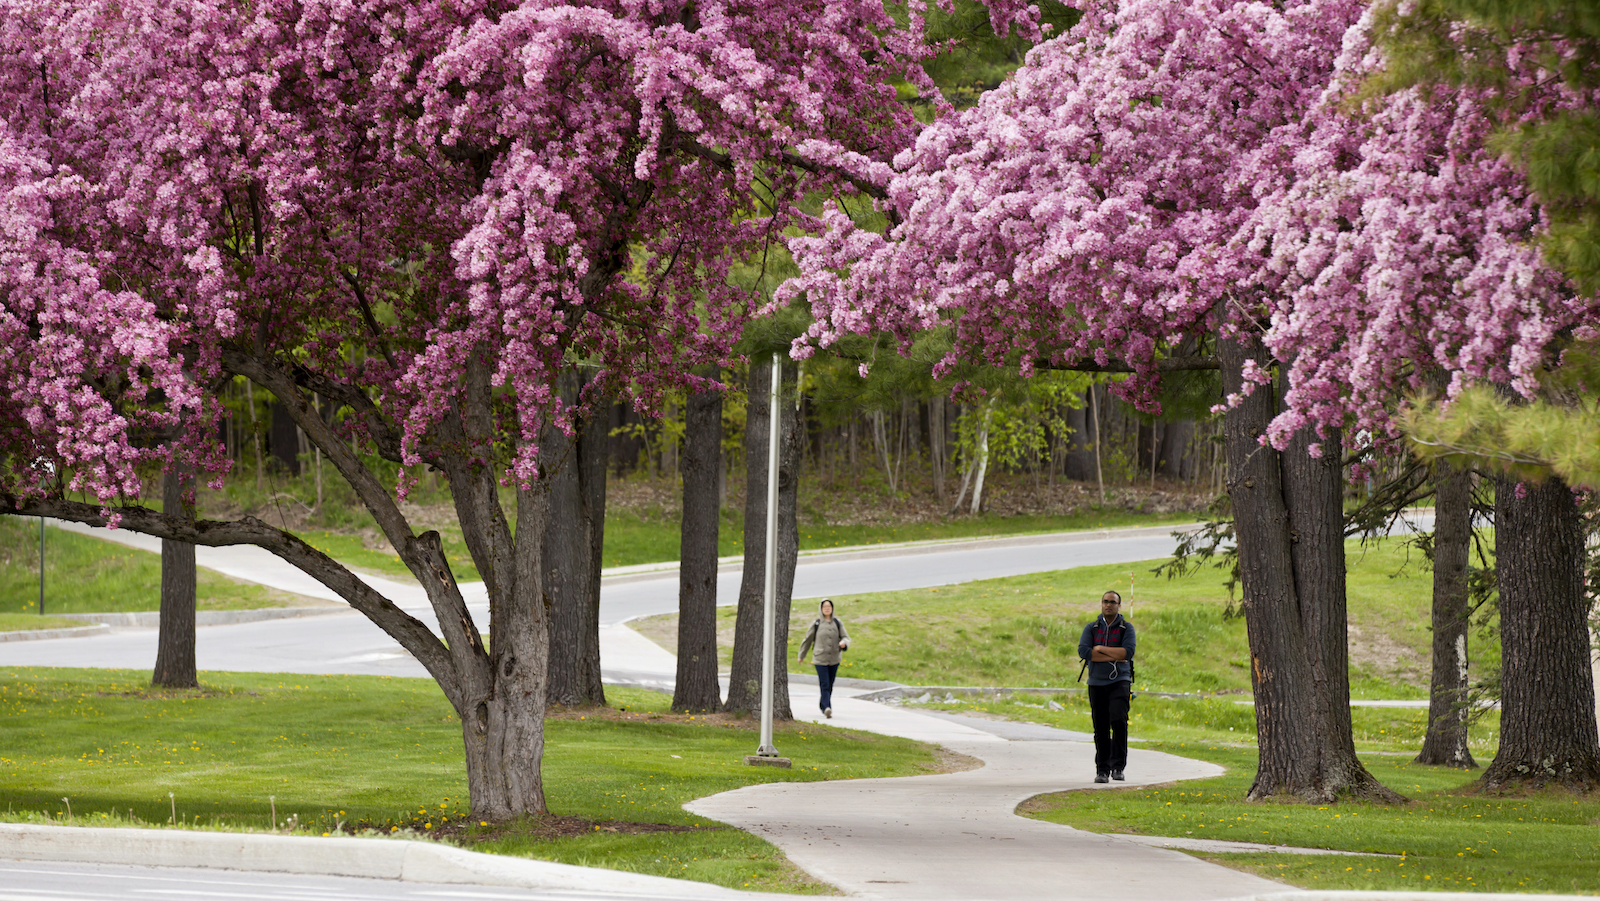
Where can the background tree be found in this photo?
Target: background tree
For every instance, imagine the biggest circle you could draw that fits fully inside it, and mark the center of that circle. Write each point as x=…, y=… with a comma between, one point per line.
x=575, y=469
x=1082, y=215
x=744, y=679
x=423, y=213
x=175, y=638
x=1405, y=250
x=696, y=687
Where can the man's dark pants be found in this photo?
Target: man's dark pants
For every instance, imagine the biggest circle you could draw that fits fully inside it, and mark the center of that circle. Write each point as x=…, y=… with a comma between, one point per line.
x=1109, y=706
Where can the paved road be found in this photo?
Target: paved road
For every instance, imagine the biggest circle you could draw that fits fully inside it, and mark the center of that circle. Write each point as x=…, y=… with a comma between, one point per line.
x=347, y=643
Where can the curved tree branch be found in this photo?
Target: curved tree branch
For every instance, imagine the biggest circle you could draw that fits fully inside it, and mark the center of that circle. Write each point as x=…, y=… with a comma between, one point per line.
x=410, y=632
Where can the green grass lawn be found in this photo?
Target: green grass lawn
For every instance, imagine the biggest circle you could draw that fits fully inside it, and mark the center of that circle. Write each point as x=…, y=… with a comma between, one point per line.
x=27, y=622
x=1022, y=631
x=1209, y=720
x=87, y=575
x=1448, y=837
x=385, y=754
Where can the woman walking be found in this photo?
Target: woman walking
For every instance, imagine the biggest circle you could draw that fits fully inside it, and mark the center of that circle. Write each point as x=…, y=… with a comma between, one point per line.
x=830, y=638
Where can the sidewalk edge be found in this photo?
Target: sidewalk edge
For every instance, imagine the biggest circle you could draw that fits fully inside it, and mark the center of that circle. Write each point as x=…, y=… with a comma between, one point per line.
x=370, y=858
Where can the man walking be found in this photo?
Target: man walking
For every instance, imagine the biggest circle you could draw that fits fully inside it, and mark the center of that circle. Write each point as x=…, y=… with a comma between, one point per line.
x=1107, y=651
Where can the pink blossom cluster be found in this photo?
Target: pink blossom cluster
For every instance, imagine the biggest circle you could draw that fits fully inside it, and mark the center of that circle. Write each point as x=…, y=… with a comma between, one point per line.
x=400, y=195
x=1403, y=255
x=1170, y=167
x=1087, y=208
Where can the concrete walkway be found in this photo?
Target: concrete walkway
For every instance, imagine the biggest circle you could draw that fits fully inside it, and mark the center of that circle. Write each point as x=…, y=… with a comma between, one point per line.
x=957, y=835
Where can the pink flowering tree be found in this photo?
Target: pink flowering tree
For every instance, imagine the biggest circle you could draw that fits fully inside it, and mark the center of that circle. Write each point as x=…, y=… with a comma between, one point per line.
x=1405, y=260
x=421, y=212
x=1083, y=216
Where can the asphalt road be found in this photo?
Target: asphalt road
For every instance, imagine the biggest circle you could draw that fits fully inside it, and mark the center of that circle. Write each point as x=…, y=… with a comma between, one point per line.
x=344, y=642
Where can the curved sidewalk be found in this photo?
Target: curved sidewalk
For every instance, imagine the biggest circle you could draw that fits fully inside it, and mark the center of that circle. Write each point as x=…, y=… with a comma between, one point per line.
x=957, y=835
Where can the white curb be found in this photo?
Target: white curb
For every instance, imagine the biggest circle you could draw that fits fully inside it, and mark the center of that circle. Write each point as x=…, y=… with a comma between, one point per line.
x=371, y=858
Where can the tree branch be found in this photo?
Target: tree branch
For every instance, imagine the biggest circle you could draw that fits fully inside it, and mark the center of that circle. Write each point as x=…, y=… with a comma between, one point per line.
x=725, y=162
x=410, y=632
x=1166, y=364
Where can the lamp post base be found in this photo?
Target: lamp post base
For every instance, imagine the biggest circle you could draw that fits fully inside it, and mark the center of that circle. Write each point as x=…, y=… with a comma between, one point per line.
x=764, y=760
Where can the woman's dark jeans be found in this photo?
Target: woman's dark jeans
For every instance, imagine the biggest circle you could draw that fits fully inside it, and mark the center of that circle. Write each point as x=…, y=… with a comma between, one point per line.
x=825, y=678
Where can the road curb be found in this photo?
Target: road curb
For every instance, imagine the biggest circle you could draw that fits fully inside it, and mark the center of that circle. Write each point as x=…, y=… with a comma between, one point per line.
x=43, y=634
x=404, y=860
x=149, y=619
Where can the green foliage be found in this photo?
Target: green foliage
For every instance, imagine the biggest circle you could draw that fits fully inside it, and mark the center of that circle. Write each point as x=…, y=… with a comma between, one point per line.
x=385, y=754
x=1465, y=42
x=976, y=60
x=1020, y=418
x=1558, y=434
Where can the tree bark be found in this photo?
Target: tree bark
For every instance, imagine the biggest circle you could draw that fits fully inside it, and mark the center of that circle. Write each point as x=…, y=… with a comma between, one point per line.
x=283, y=441
x=594, y=442
x=175, y=638
x=744, y=683
x=1299, y=752
x=1177, y=452
x=502, y=705
x=1446, y=741
x=570, y=590
x=1147, y=442
x=1079, y=464
x=1314, y=495
x=696, y=688
x=1547, y=704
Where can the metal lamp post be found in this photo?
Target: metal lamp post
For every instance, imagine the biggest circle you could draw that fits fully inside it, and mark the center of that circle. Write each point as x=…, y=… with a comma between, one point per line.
x=766, y=754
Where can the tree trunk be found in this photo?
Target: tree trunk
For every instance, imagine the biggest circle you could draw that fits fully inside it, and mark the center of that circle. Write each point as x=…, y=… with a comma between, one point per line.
x=255, y=433
x=696, y=688
x=1446, y=741
x=1177, y=451
x=568, y=553
x=1095, y=426
x=1079, y=464
x=502, y=704
x=936, y=455
x=594, y=443
x=1547, y=704
x=1314, y=495
x=982, y=461
x=1299, y=753
x=283, y=441
x=1147, y=441
x=744, y=683
x=175, y=639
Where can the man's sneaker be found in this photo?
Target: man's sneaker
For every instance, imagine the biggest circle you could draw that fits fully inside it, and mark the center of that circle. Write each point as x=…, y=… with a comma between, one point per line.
x=1101, y=777
x=1117, y=775
x=827, y=712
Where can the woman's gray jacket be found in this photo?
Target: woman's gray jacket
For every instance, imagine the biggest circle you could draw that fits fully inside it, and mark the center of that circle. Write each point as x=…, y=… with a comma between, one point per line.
x=826, y=636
